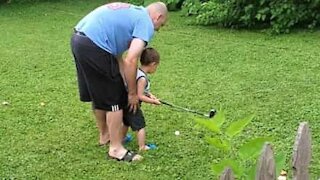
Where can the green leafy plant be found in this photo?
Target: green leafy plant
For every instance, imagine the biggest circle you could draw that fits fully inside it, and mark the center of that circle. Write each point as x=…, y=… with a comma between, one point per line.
x=280, y=16
x=241, y=159
x=136, y=2
x=192, y=7
x=174, y=5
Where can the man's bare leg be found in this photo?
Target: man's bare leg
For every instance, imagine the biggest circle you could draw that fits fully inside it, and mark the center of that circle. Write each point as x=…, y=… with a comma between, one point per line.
x=116, y=149
x=101, y=120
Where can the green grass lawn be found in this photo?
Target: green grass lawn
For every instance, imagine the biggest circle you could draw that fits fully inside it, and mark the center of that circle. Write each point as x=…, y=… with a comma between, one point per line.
x=275, y=77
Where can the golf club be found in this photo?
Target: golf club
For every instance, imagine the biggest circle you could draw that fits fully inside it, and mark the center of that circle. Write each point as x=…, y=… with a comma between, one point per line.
x=210, y=115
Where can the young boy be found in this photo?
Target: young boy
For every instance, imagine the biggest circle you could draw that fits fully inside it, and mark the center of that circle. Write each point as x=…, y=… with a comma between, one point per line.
x=149, y=62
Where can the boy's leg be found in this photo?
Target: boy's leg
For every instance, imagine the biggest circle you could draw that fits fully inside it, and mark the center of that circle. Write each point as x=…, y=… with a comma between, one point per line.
x=141, y=136
x=101, y=120
x=138, y=125
x=124, y=131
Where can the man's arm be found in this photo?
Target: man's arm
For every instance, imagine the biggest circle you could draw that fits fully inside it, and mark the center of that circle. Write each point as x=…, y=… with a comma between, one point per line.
x=130, y=71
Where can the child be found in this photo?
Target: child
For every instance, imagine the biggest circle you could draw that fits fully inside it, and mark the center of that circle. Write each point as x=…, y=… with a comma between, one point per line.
x=149, y=62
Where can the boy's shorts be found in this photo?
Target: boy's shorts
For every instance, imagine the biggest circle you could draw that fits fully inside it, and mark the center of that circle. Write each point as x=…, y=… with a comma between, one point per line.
x=135, y=121
x=99, y=78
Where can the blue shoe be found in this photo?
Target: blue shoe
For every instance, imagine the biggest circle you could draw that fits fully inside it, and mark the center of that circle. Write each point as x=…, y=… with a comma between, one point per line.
x=127, y=139
x=151, y=146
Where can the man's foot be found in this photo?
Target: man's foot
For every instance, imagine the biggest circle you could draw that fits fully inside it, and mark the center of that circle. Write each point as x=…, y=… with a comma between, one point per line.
x=104, y=144
x=129, y=156
x=104, y=139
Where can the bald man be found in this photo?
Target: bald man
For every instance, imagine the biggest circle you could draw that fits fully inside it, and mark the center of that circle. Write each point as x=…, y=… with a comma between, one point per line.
x=98, y=44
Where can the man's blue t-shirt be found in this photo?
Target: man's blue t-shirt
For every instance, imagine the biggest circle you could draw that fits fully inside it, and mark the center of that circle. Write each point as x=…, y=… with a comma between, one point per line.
x=113, y=26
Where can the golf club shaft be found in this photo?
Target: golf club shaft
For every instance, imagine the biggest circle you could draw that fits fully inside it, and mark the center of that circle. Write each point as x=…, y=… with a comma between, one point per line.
x=183, y=108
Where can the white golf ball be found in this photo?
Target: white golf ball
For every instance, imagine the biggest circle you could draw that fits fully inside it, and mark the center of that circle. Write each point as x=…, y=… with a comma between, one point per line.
x=5, y=103
x=177, y=133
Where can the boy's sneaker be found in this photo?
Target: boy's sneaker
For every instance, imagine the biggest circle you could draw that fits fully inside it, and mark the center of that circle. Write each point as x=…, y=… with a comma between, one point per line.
x=151, y=146
x=127, y=139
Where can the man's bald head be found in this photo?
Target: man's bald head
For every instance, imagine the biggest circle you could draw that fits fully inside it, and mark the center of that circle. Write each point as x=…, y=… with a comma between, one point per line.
x=158, y=12
x=160, y=7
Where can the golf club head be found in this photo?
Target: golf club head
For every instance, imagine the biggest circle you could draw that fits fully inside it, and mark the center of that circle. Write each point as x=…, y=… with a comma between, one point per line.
x=212, y=113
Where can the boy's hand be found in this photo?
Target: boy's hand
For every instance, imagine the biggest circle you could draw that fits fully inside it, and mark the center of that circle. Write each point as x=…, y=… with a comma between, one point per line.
x=154, y=99
x=156, y=102
x=152, y=96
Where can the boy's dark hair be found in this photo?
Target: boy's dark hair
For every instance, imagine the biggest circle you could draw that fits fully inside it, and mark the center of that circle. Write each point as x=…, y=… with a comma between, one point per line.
x=149, y=55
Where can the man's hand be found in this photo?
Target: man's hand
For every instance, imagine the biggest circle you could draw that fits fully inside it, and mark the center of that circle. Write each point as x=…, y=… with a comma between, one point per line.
x=133, y=102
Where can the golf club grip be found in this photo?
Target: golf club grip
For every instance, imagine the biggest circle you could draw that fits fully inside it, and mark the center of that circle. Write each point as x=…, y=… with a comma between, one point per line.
x=165, y=103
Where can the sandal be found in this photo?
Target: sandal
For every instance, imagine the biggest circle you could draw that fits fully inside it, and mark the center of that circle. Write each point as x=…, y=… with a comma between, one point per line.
x=128, y=157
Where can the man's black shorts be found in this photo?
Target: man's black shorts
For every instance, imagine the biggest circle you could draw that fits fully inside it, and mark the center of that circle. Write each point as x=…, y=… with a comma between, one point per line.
x=99, y=78
x=135, y=121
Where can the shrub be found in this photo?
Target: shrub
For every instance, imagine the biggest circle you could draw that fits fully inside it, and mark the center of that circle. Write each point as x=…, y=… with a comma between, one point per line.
x=240, y=157
x=136, y=2
x=25, y=1
x=280, y=15
x=173, y=5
